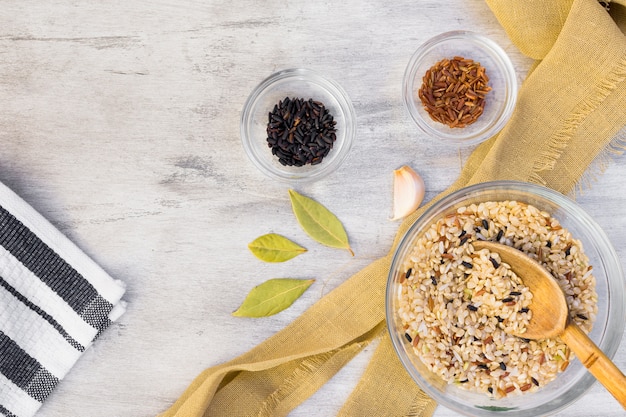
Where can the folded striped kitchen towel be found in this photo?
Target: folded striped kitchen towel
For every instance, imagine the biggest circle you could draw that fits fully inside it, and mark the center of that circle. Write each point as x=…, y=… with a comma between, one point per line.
x=54, y=302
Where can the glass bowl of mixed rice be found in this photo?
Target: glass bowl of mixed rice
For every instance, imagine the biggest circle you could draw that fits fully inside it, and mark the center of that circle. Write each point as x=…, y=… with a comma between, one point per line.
x=450, y=308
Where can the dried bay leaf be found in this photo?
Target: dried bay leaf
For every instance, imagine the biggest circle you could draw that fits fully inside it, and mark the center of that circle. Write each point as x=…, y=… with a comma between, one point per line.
x=319, y=222
x=273, y=247
x=272, y=296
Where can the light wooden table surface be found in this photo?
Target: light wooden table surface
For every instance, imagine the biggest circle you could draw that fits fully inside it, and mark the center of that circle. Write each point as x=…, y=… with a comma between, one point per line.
x=120, y=124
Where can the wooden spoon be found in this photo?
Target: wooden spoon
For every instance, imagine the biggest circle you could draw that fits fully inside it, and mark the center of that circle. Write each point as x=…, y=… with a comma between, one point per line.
x=550, y=318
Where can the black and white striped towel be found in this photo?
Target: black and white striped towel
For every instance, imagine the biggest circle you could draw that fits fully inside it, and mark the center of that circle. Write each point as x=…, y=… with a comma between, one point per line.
x=54, y=302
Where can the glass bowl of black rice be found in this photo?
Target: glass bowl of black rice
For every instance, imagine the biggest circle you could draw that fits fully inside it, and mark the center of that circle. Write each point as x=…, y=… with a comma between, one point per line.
x=297, y=126
x=460, y=87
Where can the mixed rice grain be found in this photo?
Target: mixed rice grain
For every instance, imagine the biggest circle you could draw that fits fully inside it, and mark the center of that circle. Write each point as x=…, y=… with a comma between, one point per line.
x=459, y=305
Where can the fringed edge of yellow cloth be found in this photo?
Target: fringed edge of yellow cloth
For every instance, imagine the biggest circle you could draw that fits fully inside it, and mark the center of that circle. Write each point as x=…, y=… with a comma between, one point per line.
x=274, y=405
x=614, y=149
x=315, y=370
x=560, y=139
x=385, y=372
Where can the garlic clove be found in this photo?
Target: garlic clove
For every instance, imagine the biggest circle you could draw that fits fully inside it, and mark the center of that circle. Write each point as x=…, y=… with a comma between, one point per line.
x=408, y=192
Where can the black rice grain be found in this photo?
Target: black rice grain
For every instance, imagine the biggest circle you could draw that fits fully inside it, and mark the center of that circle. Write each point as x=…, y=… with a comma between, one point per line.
x=467, y=264
x=300, y=131
x=408, y=337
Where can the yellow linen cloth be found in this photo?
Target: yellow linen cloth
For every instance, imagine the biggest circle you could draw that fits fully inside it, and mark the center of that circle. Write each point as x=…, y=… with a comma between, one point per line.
x=570, y=113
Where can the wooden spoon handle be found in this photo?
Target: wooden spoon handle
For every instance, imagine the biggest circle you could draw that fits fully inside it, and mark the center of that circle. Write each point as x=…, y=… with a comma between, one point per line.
x=596, y=362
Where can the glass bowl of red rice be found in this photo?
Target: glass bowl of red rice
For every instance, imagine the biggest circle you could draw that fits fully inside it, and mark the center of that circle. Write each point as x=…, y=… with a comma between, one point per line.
x=439, y=87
